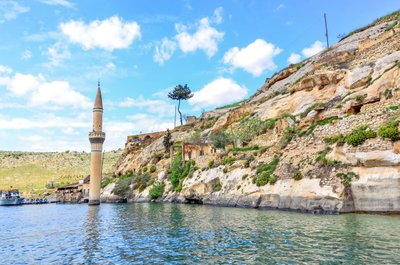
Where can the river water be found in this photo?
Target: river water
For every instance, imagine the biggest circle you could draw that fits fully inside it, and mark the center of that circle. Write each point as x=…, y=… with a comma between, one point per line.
x=192, y=234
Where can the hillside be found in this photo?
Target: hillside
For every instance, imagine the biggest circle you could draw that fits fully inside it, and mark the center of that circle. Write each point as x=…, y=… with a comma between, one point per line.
x=30, y=172
x=319, y=136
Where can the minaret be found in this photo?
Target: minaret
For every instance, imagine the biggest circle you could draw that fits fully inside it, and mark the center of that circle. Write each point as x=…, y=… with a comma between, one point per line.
x=96, y=138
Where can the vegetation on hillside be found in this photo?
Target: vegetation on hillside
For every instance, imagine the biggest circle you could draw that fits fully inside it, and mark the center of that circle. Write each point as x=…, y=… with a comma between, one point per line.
x=30, y=172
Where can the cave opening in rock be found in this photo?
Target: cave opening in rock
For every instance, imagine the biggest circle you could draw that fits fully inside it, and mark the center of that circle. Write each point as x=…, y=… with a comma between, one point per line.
x=194, y=201
x=355, y=109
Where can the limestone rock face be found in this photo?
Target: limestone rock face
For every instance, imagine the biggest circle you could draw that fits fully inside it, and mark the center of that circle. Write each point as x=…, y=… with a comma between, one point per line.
x=377, y=189
x=354, y=83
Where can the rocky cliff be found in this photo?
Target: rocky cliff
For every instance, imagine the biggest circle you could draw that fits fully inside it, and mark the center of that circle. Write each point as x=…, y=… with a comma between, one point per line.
x=319, y=136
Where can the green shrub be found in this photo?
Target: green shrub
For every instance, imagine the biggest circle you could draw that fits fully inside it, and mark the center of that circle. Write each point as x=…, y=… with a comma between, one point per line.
x=359, y=135
x=389, y=130
x=144, y=169
x=217, y=186
x=122, y=186
x=153, y=168
x=310, y=108
x=297, y=175
x=225, y=170
x=287, y=136
x=211, y=163
x=321, y=158
x=245, y=176
x=157, y=190
x=339, y=138
x=347, y=178
x=141, y=182
x=393, y=107
x=175, y=170
x=105, y=182
x=265, y=172
x=220, y=139
x=273, y=179
x=228, y=161
x=360, y=98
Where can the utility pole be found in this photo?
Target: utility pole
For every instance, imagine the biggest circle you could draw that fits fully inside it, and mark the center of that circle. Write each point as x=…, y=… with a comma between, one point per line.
x=326, y=32
x=175, y=117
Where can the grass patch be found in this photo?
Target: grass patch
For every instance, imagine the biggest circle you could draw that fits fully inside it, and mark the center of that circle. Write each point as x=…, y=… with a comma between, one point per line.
x=339, y=138
x=244, y=149
x=314, y=125
x=232, y=105
x=287, y=136
x=265, y=173
x=228, y=161
x=312, y=107
x=322, y=159
x=360, y=98
x=105, y=182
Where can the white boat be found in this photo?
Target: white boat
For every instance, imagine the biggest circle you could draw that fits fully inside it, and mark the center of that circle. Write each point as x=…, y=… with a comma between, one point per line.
x=10, y=197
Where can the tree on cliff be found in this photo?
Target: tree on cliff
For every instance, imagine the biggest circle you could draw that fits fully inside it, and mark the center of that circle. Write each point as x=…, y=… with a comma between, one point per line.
x=180, y=93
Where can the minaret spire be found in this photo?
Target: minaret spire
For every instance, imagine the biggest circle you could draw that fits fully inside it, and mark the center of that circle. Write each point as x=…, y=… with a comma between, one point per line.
x=96, y=138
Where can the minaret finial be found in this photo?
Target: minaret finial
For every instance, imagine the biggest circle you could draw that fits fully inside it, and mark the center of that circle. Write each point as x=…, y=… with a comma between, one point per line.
x=98, y=83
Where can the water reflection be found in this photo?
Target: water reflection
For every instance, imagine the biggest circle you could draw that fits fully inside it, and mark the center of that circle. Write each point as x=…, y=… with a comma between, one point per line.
x=92, y=236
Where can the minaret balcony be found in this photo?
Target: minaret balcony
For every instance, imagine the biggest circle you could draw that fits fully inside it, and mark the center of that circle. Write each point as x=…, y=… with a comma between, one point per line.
x=97, y=137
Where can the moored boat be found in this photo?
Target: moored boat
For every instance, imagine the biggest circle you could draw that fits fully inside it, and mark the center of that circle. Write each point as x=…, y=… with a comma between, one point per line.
x=10, y=197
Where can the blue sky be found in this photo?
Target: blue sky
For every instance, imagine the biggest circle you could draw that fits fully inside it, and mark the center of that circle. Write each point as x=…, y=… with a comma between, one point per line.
x=52, y=52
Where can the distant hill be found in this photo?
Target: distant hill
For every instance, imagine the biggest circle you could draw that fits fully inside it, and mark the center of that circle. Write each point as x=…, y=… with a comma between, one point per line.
x=30, y=171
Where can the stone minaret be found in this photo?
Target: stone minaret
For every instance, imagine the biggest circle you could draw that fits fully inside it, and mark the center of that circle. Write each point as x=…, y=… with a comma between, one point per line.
x=96, y=138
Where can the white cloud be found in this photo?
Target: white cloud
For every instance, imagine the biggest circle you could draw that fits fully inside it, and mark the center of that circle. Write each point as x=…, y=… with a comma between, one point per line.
x=58, y=93
x=108, y=34
x=294, y=58
x=49, y=121
x=190, y=38
x=70, y=131
x=218, y=15
x=219, y=92
x=5, y=69
x=205, y=38
x=159, y=106
x=26, y=55
x=164, y=51
x=9, y=10
x=315, y=48
x=21, y=84
x=57, y=54
x=64, y=3
x=117, y=131
x=42, y=93
x=255, y=58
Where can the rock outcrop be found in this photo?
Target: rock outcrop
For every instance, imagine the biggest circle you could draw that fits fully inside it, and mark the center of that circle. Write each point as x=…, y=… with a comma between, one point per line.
x=324, y=137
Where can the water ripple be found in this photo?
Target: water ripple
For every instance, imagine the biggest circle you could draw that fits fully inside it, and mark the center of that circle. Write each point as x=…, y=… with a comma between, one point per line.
x=192, y=234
